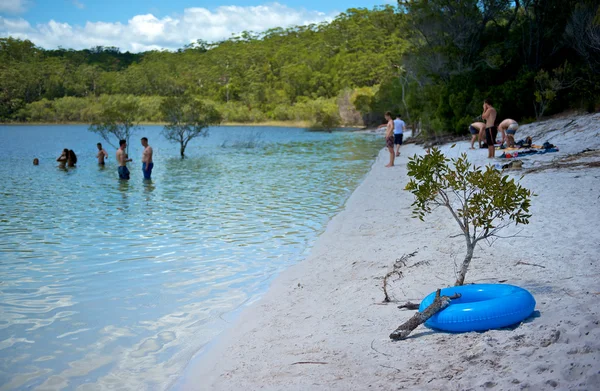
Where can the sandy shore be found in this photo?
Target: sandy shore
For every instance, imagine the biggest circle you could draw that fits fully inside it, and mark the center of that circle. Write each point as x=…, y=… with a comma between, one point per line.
x=322, y=324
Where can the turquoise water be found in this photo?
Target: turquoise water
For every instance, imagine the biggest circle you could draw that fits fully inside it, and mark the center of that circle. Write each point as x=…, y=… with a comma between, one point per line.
x=113, y=284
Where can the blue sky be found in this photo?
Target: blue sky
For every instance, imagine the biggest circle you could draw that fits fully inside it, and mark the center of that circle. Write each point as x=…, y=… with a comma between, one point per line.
x=139, y=25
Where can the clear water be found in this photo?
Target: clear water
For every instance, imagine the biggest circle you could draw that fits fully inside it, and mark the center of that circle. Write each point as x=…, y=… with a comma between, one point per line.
x=112, y=284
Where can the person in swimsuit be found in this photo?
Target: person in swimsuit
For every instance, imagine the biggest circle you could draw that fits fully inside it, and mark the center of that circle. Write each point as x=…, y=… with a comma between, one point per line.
x=509, y=127
x=71, y=158
x=122, y=160
x=62, y=159
x=101, y=154
x=477, y=129
x=147, y=163
x=389, y=138
x=491, y=131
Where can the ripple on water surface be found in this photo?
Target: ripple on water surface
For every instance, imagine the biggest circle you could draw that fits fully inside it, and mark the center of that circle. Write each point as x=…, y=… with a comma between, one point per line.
x=106, y=283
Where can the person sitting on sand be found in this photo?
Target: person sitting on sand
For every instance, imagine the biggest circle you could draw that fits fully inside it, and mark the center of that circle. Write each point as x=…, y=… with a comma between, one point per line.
x=477, y=129
x=509, y=127
x=62, y=159
x=71, y=158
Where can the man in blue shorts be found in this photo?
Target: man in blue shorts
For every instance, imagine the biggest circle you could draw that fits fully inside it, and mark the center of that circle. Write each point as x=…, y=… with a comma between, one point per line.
x=147, y=163
x=122, y=160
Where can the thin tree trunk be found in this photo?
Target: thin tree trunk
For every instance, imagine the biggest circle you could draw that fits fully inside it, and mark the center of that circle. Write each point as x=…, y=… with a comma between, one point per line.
x=465, y=265
x=439, y=303
x=182, y=151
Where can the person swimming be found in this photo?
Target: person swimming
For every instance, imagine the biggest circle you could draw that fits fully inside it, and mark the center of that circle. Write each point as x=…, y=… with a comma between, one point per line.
x=71, y=158
x=62, y=159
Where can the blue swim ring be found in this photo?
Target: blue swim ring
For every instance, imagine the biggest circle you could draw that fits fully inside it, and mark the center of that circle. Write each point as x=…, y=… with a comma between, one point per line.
x=481, y=307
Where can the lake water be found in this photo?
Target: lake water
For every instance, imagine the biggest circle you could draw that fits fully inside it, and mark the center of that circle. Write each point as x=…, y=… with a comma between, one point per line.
x=108, y=284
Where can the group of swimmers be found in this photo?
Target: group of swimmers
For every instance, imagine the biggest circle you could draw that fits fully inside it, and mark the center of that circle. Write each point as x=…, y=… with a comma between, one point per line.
x=489, y=131
x=69, y=159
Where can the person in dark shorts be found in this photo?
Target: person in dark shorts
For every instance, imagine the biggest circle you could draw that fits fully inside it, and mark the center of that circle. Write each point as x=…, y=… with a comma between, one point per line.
x=122, y=160
x=477, y=131
x=147, y=163
x=490, y=135
x=491, y=131
x=101, y=154
x=399, y=127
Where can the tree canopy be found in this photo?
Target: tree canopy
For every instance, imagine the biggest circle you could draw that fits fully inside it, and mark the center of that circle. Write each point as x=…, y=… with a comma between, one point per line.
x=433, y=60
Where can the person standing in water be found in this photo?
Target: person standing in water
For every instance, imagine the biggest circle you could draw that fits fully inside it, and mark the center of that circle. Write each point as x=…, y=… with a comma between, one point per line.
x=101, y=154
x=147, y=163
x=491, y=131
x=122, y=160
x=62, y=159
x=71, y=158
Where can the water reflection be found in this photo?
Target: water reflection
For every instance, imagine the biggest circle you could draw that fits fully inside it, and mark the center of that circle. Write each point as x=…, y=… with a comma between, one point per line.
x=109, y=283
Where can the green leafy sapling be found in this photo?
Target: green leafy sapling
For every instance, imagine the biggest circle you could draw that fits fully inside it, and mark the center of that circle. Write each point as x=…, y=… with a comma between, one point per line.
x=481, y=201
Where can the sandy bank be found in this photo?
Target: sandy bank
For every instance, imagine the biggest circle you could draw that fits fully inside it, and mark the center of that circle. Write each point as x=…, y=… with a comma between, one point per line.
x=322, y=325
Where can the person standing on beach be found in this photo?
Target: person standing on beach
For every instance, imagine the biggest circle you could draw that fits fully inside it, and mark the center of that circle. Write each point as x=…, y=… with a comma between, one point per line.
x=147, y=163
x=491, y=131
x=389, y=138
x=508, y=127
x=122, y=160
x=101, y=154
x=399, y=127
x=477, y=129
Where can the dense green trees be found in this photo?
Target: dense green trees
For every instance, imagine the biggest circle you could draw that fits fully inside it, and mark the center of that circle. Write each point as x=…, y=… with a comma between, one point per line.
x=433, y=60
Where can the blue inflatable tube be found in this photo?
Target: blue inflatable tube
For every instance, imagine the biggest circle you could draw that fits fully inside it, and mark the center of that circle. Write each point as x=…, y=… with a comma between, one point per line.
x=481, y=307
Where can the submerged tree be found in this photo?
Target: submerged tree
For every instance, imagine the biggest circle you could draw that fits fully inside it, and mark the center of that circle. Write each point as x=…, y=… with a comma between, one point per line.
x=118, y=120
x=481, y=201
x=187, y=118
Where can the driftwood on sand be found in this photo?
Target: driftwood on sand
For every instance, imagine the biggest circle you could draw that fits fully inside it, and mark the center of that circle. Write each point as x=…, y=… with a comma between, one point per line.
x=439, y=303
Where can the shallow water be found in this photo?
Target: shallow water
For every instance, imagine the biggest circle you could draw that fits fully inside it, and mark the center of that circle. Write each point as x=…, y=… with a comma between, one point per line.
x=108, y=284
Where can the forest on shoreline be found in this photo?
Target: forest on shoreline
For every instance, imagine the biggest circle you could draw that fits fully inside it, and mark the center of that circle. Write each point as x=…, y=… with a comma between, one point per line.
x=434, y=61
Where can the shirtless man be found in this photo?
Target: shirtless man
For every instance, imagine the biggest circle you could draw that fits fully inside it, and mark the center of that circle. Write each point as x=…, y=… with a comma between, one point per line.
x=509, y=127
x=101, y=154
x=477, y=129
x=122, y=160
x=491, y=131
x=147, y=163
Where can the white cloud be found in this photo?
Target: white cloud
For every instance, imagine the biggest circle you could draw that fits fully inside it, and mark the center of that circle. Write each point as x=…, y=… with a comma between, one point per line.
x=14, y=6
x=147, y=32
x=78, y=4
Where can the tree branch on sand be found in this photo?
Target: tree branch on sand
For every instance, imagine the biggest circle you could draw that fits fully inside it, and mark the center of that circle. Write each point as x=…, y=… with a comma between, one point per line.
x=400, y=262
x=481, y=201
x=439, y=303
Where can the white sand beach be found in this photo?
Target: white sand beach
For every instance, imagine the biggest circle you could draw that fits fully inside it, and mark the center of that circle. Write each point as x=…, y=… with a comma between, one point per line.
x=322, y=324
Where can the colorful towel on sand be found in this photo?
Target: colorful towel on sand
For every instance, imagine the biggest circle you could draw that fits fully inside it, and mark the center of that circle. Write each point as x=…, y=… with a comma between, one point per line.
x=526, y=152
